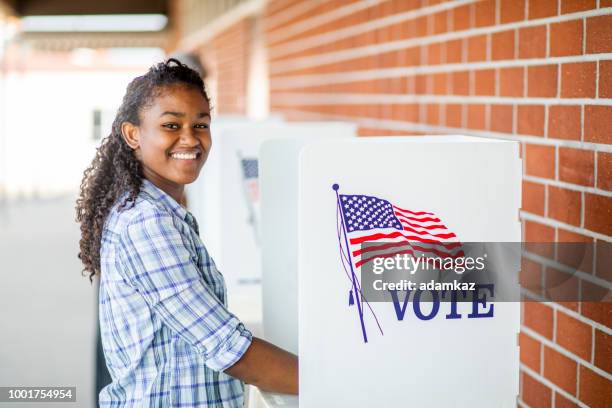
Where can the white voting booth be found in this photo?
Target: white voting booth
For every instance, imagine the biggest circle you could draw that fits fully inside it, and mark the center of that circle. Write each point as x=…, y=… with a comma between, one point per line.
x=471, y=360
x=226, y=200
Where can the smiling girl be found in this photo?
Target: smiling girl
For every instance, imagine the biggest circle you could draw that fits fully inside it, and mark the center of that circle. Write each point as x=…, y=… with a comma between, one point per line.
x=168, y=337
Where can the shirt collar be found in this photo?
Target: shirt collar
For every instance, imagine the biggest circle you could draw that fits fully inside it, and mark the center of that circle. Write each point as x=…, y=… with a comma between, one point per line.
x=165, y=199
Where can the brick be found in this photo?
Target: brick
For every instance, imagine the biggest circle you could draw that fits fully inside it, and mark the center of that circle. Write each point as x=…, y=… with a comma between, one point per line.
x=540, y=161
x=562, y=402
x=599, y=34
x=603, y=351
x=433, y=114
x=533, y=198
x=574, y=336
x=594, y=389
x=573, y=6
x=476, y=117
x=593, y=308
x=439, y=22
x=564, y=122
x=604, y=170
x=484, y=13
x=412, y=56
x=578, y=80
x=562, y=288
x=420, y=84
x=532, y=42
x=461, y=18
x=511, y=81
x=454, y=115
x=560, y=370
x=501, y=118
x=530, y=277
x=502, y=45
x=605, y=79
x=530, y=120
x=461, y=82
x=536, y=232
x=530, y=351
x=542, y=8
x=454, y=51
x=484, y=82
x=440, y=84
x=542, y=80
x=566, y=38
x=420, y=25
x=577, y=166
x=564, y=205
x=536, y=394
x=605, y=3
x=436, y=53
x=477, y=48
x=604, y=260
x=579, y=257
x=510, y=11
x=598, y=124
x=539, y=318
x=406, y=5
x=598, y=213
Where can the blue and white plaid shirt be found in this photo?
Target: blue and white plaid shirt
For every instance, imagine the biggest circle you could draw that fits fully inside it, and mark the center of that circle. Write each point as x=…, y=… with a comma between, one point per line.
x=166, y=331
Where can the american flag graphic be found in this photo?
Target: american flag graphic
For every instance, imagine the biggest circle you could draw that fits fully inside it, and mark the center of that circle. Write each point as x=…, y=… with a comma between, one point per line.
x=249, y=170
x=250, y=176
x=388, y=230
x=391, y=230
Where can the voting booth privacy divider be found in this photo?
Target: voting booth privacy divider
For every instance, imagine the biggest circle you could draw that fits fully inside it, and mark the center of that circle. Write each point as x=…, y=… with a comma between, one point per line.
x=225, y=199
x=319, y=200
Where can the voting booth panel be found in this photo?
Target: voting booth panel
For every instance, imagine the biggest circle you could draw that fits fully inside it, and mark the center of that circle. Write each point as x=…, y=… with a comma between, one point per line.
x=279, y=160
x=227, y=196
x=355, y=353
x=203, y=195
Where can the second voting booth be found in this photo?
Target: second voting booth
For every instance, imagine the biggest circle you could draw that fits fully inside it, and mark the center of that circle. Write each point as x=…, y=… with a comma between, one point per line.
x=320, y=202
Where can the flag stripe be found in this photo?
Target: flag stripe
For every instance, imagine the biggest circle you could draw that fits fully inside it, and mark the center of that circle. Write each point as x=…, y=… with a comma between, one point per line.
x=374, y=237
x=403, y=243
x=404, y=221
x=443, y=236
x=412, y=212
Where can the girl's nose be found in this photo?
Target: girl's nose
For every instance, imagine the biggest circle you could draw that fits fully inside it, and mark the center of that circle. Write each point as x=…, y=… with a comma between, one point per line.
x=189, y=137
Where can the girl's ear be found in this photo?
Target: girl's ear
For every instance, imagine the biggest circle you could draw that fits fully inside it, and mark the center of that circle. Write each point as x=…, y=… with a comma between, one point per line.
x=130, y=134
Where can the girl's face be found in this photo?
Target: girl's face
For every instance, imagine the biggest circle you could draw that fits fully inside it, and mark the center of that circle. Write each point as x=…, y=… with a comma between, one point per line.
x=173, y=138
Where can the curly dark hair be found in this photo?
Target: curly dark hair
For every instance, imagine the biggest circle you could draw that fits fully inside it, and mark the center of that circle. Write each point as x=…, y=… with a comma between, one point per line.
x=115, y=168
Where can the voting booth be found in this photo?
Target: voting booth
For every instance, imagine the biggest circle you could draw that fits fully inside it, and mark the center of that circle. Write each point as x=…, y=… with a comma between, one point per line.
x=226, y=200
x=336, y=197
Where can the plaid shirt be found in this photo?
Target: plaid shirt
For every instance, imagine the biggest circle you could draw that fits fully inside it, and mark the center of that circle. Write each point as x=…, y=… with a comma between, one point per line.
x=166, y=332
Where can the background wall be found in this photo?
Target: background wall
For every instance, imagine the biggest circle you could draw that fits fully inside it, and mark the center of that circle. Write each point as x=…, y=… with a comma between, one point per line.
x=538, y=72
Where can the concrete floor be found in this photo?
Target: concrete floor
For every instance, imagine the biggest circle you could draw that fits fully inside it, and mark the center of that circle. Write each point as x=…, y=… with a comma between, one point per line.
x=47, y=309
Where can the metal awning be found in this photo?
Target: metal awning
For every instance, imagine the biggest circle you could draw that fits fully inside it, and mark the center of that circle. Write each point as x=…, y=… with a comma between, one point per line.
x=72, y=7
x=59, y=40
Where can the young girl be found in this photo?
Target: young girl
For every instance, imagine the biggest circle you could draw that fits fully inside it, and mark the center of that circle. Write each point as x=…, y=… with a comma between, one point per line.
x=167, y=335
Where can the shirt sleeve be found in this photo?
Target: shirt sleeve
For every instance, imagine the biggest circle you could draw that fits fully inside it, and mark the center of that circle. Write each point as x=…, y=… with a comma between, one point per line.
x=163, y=269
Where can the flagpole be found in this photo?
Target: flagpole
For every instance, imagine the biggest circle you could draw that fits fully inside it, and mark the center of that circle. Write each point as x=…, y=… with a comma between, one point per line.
x=353, y=275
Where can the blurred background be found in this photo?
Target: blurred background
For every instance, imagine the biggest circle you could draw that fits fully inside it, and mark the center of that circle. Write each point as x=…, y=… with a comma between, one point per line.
x=535, y=71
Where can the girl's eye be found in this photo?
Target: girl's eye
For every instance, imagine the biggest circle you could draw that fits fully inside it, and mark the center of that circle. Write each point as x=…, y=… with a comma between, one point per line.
x=201, y=126
x=171, y=125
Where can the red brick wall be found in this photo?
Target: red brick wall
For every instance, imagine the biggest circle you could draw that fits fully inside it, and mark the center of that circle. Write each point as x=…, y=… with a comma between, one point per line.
x=535, y=71
x=226, y=57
